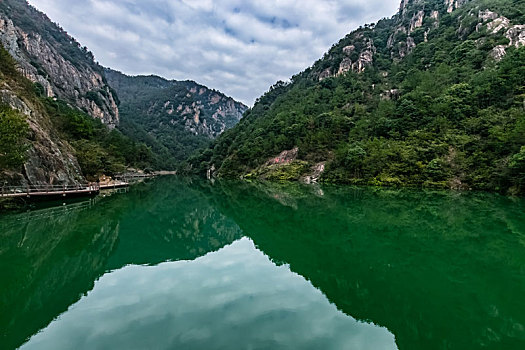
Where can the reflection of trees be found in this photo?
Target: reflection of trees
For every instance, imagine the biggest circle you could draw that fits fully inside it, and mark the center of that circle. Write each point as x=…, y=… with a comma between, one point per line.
x=50, y=258
x=432, y=267
x=435, y=268
x=170, y=219
x=47, y=262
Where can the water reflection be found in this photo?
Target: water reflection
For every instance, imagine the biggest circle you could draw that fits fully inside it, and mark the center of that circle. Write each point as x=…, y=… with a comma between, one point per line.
x=441, y=270
x=166, y=264
x=50, y=258
x=234, y=297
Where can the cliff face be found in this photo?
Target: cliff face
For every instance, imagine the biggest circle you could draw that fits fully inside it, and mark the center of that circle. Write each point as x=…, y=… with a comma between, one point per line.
x=180, y=104
x=49, y=56
x=49, y=159
x=173, y=117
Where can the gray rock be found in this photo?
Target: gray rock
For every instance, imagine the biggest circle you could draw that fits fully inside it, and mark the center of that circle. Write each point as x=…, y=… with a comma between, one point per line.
x=516, y=35
x=41, y=61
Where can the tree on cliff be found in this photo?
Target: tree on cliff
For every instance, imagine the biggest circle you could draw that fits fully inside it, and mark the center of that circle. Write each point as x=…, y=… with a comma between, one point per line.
x=13, y=132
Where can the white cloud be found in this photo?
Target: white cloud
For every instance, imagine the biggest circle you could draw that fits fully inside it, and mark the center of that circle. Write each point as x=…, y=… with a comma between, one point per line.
x=238, y=47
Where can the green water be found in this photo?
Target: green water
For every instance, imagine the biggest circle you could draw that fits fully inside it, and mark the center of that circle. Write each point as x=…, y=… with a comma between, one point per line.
x=180, y=264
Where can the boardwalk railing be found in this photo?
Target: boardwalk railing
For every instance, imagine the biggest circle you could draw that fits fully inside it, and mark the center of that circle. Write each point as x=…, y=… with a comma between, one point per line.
x=47, y=190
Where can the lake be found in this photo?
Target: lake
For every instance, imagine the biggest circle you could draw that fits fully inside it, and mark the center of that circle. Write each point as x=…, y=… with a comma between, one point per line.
x=188, y=264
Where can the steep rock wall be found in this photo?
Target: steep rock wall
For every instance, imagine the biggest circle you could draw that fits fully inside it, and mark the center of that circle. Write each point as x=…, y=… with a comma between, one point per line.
x=49, y=56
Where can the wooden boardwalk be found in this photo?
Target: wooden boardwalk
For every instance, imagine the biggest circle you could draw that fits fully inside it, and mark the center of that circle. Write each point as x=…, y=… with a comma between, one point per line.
x=56, y=192
x=49, y=191
x=59, y=191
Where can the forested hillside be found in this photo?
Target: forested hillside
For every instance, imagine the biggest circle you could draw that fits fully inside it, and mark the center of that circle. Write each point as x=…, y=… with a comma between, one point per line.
x=45, y=140
x=433, y=96
x=174, y=118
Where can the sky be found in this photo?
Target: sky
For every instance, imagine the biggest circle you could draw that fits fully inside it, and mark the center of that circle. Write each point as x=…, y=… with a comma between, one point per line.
x=238, y=47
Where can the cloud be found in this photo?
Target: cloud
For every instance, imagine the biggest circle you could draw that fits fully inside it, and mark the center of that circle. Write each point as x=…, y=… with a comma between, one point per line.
x=238, y=47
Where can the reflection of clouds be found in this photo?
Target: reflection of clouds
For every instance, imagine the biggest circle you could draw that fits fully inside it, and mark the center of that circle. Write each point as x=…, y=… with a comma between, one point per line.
x=234, y=297
x=239, y=47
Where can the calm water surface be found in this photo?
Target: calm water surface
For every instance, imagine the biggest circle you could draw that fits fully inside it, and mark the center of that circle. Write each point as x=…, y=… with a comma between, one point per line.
x=181, y=264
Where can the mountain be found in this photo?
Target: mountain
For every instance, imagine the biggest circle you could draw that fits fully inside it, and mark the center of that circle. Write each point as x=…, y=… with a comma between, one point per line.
x=51, y=58
x=433, y=97
x=173, y=117
x=48, y=141
x=58, y=115
x=60, y=120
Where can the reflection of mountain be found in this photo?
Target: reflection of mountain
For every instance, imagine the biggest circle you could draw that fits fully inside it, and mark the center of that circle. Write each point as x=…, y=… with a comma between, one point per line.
x=49, y=258
x=170, y=219
x=235, y=298
x=46, y=264
x=438, y=270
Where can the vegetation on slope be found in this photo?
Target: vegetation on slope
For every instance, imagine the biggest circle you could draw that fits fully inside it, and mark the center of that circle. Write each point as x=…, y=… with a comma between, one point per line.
x=161, y=113
x=13, y=133
x=448, y=114
x=98, y=149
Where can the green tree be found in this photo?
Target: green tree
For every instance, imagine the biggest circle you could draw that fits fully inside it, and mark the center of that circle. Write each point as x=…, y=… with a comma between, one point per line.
x=13, y=133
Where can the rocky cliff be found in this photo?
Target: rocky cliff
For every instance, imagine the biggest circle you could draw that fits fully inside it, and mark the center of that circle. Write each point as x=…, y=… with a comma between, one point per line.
x=49, y=159
x=47, y=55
x=196, y=108
x=180, y=115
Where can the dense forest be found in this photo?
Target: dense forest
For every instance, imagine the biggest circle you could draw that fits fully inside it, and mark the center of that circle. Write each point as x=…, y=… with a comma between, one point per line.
x=441, y=104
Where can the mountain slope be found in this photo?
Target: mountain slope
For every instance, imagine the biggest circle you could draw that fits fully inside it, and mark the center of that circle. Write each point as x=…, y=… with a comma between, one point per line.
x=433, y=96
x=40, y=157
x=59, y=119
x=57, y=113
x=46, y=141
x=48, y=56
x=173, y=117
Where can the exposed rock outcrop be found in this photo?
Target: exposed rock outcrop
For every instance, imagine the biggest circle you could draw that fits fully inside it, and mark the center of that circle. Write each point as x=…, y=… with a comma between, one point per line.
x=345, y=66
x=516, y=35
x=49, y=160
x=197, y=109
x=53, y=59
x=316, y=172
x=327, y=73
x=366, y=57
x=495, y=24
x=454, y=4
x=392, y=37
x=284, y=158
x=416, y=21
x=498, y=52
x=500, y=23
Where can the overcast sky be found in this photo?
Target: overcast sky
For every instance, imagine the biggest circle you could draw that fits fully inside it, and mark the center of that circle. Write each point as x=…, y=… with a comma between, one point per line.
x=238, y=47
